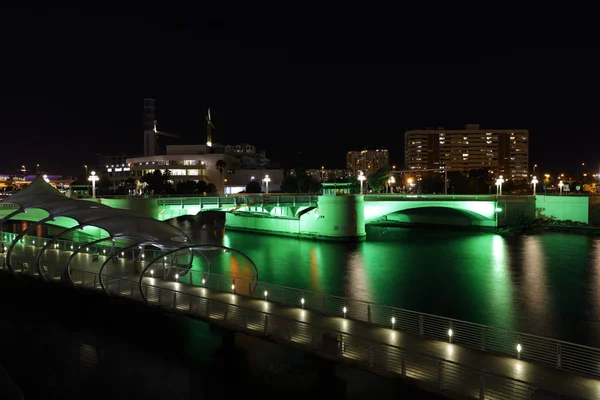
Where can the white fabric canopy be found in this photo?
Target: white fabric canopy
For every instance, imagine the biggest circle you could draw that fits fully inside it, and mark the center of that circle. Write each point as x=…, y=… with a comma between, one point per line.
x=41, y=195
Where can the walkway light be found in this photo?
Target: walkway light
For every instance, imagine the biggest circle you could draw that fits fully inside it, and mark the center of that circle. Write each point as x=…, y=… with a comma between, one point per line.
x=44, y=243
x=393, y=322
x=93, y=178
x=176, y=276
x=450, y=333
x=232, y=288
x=266, y=294
x=86, y=249
x=203, y=281
x=302, y=302
x=345, y=310
x=361, y=178
x=104, y=251
x=534, y=182
x=560, y=186
x=152, y=272
x=391, y=181
x=33, y=242
x=499, y=183
x=71, y=247
x=266, y=180
x=122, y=253
x=519, y=348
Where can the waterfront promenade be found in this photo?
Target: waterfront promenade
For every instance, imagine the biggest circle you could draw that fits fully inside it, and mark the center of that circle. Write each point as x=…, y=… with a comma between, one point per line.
x=443, y=355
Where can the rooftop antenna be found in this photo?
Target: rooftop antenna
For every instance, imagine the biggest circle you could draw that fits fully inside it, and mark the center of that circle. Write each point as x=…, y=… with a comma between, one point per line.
x=209, y=127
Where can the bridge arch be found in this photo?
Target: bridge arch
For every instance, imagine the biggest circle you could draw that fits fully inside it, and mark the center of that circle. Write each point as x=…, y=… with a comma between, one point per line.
x=482, y=213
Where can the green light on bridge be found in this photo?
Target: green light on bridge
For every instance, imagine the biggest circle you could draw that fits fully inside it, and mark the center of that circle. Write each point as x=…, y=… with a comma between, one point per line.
x=498, y=209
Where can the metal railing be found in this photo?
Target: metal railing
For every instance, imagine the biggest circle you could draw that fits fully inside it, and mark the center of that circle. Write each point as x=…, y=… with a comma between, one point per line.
x=550, y=352
x=444, y=197
x=430, y=372
x=541, y=350
x=263, y=199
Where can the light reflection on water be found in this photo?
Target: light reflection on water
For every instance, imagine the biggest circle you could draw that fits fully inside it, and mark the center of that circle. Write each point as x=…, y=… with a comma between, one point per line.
x=543, y=284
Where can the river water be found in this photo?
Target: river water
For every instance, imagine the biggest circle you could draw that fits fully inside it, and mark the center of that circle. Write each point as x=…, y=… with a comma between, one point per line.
x=545, y=284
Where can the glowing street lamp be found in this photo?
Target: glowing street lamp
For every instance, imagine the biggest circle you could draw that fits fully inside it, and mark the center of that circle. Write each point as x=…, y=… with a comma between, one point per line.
x=46, y=178
x=560, y=186
x=499, y=183
x=93, y=178
x=391, y=181
x=266, y=180
x=361, y=178
x=534, y=181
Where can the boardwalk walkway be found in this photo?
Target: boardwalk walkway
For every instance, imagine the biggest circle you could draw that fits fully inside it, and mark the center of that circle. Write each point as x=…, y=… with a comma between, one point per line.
x=438, y=365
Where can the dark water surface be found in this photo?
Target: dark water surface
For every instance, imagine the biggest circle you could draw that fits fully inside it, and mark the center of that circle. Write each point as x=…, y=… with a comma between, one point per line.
x=546, y=284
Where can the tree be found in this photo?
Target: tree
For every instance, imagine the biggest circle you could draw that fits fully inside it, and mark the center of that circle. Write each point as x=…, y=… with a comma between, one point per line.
x=211, y=189
x=221, y=164
x=187, y=187
x=253, y=187
x=289, y=184
x=378, y=179
x=202, y=186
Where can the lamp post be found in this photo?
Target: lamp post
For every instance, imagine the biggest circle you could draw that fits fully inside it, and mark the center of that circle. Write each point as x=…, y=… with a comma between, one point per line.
x=46, y=178
x=534, y=181
x=391, y=181
x=499, y=183
x=361, y=178
x=266, y=180
x=93, y=178
x=86, y=169
x=560, y=186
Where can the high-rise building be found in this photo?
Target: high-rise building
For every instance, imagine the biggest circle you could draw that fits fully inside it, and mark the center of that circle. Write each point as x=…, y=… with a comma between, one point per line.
x=367, y=161
x=505, y=151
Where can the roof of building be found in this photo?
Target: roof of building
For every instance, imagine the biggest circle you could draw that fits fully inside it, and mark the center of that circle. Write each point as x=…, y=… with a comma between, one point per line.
x=116, y=222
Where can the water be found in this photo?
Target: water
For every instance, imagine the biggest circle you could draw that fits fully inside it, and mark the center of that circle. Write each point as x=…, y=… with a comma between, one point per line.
x=546, y=284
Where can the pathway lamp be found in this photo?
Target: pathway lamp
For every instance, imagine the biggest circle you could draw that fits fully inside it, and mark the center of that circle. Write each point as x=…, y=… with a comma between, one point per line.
x=534, y=181
x=344, y=310
x=203, y=281
x=176, y=276
x=361, y=178
x=391, y=181
x=499, y=183
x=266, y=180
x=519, y=348
x=393, y=322
x=232, y=288
x=152, y=272
x=450, y=333
x=560, y=186
x=93, y=178
x=302, y=302
x=266, y=294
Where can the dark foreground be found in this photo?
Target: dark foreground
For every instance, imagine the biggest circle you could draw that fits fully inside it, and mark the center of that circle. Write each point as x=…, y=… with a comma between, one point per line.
x=57, y=343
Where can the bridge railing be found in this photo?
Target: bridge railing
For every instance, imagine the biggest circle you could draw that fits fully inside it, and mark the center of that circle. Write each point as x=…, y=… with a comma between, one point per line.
x=443, y=197
x=551, y=352
x=427, y=371
x=236, y=200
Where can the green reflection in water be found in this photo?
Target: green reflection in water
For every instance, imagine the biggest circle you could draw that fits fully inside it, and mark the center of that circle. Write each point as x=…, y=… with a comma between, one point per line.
x=544, y=284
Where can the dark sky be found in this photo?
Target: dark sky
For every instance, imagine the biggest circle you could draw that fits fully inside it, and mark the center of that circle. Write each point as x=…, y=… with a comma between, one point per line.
x=305, y=90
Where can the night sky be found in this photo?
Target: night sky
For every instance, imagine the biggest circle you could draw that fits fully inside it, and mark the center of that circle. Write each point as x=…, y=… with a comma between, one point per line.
x=306, y=91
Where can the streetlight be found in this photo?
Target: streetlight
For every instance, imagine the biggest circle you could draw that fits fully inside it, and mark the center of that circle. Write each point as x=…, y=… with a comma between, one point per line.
x=86, y=169
x=361, y=178
x=93, y=178
x=46, y=178
x=499, y=183
x=534, y=181
x=391, y=181
x=560, y=186
x=266, y=180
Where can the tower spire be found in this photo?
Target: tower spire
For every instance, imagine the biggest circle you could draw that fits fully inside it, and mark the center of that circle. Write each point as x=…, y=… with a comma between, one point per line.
x=209, y=127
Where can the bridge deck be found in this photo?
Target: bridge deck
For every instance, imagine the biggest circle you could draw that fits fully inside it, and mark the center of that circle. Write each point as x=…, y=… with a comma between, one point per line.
x=426, y=360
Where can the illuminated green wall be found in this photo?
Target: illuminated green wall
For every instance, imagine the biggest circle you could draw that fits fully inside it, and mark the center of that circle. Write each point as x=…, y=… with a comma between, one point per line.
x=336, y=218
x=574, y=208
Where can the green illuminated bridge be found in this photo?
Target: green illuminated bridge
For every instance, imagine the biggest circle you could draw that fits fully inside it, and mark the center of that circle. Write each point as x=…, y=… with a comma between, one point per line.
x=131, y=256
x=338, y=216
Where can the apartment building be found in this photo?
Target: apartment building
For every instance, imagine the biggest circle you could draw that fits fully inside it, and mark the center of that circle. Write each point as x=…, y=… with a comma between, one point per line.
x=367, y=161
x=505, y=151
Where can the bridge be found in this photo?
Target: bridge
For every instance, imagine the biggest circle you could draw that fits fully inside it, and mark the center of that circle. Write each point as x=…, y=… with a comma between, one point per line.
x=444, y=355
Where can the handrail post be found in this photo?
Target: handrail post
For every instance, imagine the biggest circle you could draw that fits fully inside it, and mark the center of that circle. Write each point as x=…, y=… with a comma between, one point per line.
x=421, y=328
x=440, y=375
x=482, y=387
x=558, y=356
x=174, y=306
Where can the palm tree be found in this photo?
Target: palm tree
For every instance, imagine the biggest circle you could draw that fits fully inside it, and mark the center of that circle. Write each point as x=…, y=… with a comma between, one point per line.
x=221, y=167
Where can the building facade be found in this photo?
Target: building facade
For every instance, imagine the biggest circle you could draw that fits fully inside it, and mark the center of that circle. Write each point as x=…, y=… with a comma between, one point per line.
x=367, y=161
x=330, y=175
x=504, y=151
